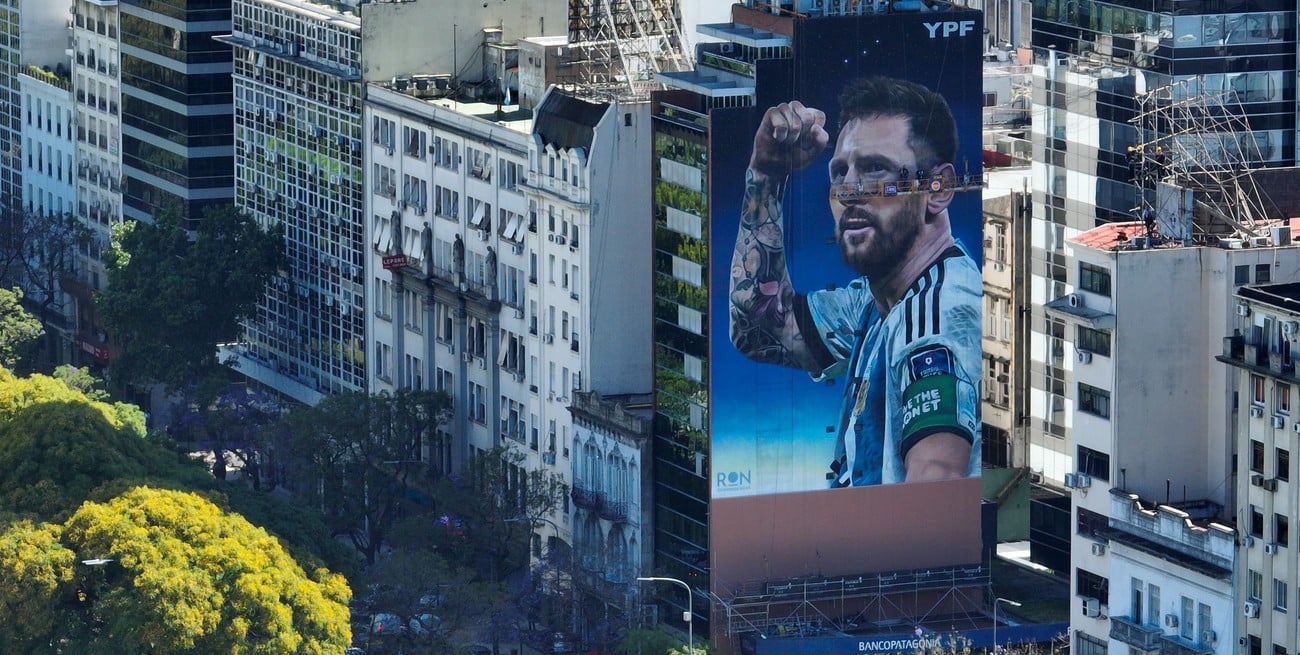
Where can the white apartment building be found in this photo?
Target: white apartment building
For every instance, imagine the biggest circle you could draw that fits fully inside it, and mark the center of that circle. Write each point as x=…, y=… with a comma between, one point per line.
x=1259, y=352
x=298, y=155
x=48, y=151
x=448, y=220
x=96, y=81
x=506, y=267
x=611, y=489
x=1152, y=415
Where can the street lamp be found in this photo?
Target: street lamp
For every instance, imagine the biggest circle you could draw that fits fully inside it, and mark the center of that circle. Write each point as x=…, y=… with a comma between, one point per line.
x=995, y=618
x=690, y=611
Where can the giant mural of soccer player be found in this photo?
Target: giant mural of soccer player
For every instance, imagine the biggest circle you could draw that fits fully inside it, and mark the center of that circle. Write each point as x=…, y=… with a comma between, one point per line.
x=904, y=335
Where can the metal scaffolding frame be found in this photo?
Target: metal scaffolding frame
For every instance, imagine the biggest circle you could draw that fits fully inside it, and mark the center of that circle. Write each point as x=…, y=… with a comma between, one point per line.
x=878, y=601
x=616, y=47
x=1198, y=138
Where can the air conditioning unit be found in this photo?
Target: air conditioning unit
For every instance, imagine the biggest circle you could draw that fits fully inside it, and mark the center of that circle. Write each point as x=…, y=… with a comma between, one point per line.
x=1075, y=299
x=1091, y=607
x=560, y=240
x=1289, y=329
x=1279, y=422
x=517, y=248
x=1248, y=541
x=1243, y=641
x=1243, y=309
x=1099, y=549
x=551, y=238
x=724, y=48
x=519, y=312
x=1256, y=412
x=548, y=458
x=1209, y=637
x=1250, y=609
x=1296, y=426
x=1259, y=242
x=1171, y=620
x=1078, y=480
x=1084, y=356
x=1270, y=484
x=550, y=338
x=1071, y=480
x=1270, y=549
x=482, y=235
x=1256, y=480
x=469, y=356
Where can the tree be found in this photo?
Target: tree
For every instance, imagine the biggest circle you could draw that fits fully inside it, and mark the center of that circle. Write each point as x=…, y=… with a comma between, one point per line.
x=239, y=421
x=353, y=456
x=37, y=251
x=173, y=295
x=182, y=577
x=19, y=330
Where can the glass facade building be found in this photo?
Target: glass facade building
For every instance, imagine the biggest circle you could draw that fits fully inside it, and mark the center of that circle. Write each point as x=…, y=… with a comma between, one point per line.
x=177, y=130
x=1112, y=83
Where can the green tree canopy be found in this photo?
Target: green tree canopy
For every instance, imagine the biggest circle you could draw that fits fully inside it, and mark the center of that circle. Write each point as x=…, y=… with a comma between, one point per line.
x=355, y=454
x=184, y=577
x=173, y=295
x=19, y=330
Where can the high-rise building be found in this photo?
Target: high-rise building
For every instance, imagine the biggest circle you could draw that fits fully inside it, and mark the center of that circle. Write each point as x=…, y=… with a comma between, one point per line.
x=1167, y=443
x=96, y=81
x=177, y=130
x=35, y=34
x=1204, y=85
x=1259, y=351
x=298, y=166
x=735, y=434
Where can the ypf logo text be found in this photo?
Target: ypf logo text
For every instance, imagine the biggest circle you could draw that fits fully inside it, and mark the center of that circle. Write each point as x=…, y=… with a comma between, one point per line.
x=947, y=28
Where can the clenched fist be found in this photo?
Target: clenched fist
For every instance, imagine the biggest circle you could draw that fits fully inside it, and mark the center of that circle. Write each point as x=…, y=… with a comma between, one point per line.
x=789, y=138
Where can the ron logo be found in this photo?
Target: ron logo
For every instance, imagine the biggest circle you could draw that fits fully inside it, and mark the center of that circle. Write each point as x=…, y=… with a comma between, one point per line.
x=947, y=28
x=733, y=480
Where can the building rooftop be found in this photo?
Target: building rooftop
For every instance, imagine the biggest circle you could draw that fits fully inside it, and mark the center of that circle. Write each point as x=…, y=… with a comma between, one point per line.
x=1285, y=296
x=566, y=121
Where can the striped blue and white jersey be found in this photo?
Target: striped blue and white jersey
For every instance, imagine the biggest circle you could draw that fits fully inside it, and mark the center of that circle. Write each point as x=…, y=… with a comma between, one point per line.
x=910, y=373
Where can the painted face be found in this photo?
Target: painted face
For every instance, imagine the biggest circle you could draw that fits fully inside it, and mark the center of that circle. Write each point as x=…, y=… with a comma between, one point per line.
x=875, y=233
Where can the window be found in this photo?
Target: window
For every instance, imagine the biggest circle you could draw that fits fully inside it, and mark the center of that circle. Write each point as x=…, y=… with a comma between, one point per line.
x=1256, y=456
x=1257, y=389
x=1153, y=604
x=1087, y=583
x=1255, y=585
x=1094, y=401
x=1282, y=464
x=1186, y=618
x=1279, y=598
x=1241, y=274
x=1263, y=273
x=1096, y=342
x=1088, y=644
x=1094, y=463
x=1282, y=398
x=1281, y=529
x=1256, y=522
x=997, y=385
x=1091, y=523
x=1094, y=278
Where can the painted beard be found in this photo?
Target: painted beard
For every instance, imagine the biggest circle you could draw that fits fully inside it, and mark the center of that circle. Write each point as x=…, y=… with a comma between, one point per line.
x=875, y=247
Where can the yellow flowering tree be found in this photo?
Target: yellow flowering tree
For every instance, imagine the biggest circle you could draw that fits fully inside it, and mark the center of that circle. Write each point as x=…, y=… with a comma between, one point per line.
x=163, y=571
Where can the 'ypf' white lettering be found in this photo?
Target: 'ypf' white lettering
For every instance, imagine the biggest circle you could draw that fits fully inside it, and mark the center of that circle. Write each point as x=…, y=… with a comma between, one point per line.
x=949, y=27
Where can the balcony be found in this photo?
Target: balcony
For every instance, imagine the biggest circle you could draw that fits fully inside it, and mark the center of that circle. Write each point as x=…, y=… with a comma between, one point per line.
x=585, y=498
x=1174, y=645
x=612, y=510
x=1141, y=637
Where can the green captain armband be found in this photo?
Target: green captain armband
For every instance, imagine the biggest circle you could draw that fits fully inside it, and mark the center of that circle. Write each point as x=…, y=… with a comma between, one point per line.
x=933, y=404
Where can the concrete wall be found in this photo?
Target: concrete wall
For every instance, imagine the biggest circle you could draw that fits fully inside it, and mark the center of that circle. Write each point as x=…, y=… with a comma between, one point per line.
x=620, y=312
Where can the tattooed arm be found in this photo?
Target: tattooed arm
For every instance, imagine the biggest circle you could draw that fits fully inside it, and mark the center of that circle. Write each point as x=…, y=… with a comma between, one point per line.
x=762, y=298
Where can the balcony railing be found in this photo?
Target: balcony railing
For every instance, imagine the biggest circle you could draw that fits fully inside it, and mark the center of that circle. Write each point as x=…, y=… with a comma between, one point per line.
x=585, y=498
x=1141, y=637
x=1172, y=645
x=612, y=510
